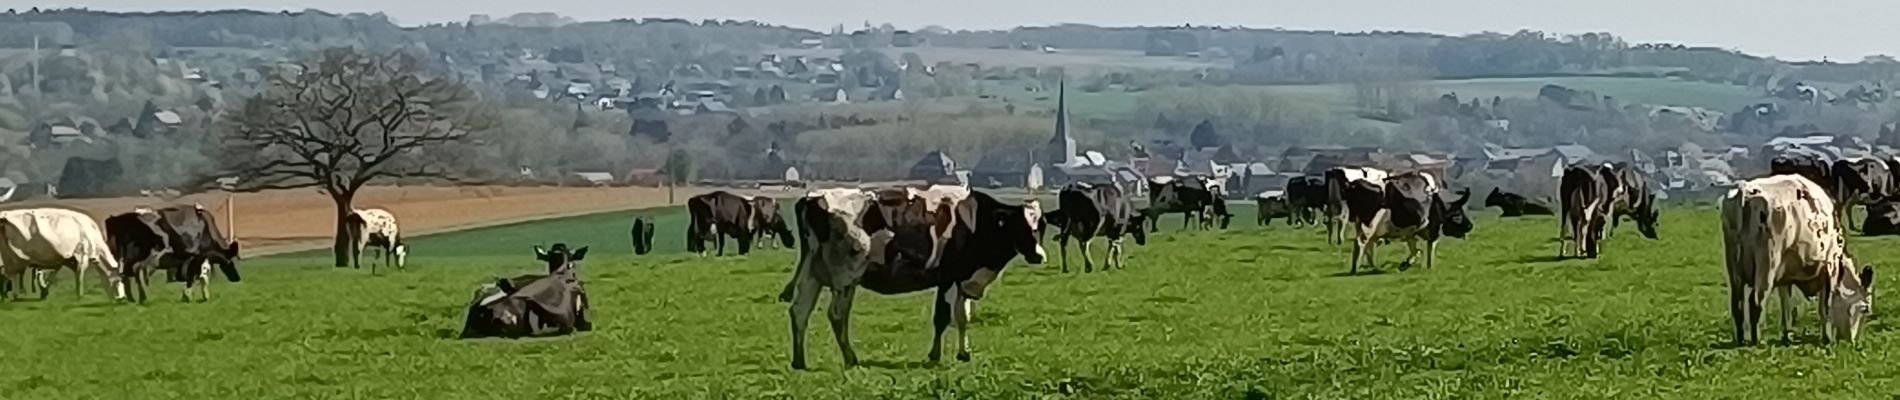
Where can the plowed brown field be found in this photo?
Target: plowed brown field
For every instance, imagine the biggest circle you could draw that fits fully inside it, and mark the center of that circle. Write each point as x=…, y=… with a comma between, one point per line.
x=280, y=221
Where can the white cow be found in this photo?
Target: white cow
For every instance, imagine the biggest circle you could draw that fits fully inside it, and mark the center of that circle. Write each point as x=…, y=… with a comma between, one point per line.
x=1779, y=233
x=378, y=227
x=50, y=239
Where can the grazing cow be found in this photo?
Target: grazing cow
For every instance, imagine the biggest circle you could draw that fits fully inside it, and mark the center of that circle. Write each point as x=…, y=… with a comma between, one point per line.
x=1192, y=197
x=848, y=241
x=1515, y=205
x=771, y=222
x=182, y=240
x=50, y=239
x=1812, y=166
x=1633, y=197
x=1091, y=210
x=1586, y=197
x=1337, y=181
x=1408, y=207
x=1306, y=199
x=643, y=235
x=1883, y=219
x=1864, y=181
x=377, y=227
x=1779, y=234
x=1273, y=204
x=518, y=307
x=717, y=216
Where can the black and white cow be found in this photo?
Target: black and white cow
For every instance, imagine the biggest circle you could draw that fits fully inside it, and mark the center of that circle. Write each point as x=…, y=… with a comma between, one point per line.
x=524, y=305
x=1098, y=210
x=771, y=222
x=1515, y=205
x=642, y=234
x=1632, y=197
x=182, y=240
x=1587, y=193
x=1306, y=199
x=1864, y=181
x=376, y=228
x=720, y=215
x=848, y=240
x=1407, y=207
x=1192, y=197
x=1337, y=209
x=1812, y=166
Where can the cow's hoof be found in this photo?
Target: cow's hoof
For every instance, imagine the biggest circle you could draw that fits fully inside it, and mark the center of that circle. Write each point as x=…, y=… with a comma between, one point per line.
x=798, y=365
x=785, y=297
x=1405, y=265
x=963, y=356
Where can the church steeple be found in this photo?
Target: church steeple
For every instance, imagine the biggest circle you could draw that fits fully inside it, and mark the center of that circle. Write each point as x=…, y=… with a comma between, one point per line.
x=1061, y=147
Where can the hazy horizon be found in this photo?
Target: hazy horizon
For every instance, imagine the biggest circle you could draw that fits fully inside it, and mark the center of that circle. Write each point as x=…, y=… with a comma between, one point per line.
x=1847, y=30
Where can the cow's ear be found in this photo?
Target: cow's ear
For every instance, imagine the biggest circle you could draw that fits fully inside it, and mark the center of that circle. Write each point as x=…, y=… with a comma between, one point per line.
x=1867, y=278
x=579, y=254
x=233, y=250
x=540, y=254
x=505, y=285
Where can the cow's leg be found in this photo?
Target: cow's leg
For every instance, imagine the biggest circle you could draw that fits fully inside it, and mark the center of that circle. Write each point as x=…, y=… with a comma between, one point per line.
x=940, y=319
x=840, y=313
x=79, y=279
x=960, y=312
x=1088, y=263
x=1358, y=247
x=1062, y=240
x=807, y=298
x=1115, y=253
x=1787, y=313
x=1737, y=310
x=745, y=244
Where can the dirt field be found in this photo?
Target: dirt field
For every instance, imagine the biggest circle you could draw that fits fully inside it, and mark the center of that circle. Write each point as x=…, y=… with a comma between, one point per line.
x=275, y=222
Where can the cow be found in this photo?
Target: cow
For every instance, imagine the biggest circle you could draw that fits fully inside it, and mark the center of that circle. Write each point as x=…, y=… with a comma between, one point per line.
x=1407, y=207
x=1273, y=204
x=520, y=306
x=1864, y=181
x=377, y=227
x=1812, y=166
x=1779, y=233
x=771, y=221
x=848, y=241
x=182, y=240
x=1338, y=180
x=1883, y=219
x=1515, y=205
x=1586, y=194
x=1193, y=197
x=642, y=233
x=1306, y=199
x=51, y=239
x=1633, y=197
x=719, y=215
x=1092, y=210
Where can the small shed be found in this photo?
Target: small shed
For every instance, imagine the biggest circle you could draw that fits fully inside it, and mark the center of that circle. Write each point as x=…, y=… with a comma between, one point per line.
x=596, y=178
x=1007, y=169
x=935, y=167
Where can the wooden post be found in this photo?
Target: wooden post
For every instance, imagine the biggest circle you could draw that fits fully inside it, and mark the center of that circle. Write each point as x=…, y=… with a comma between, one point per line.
x=230, y=215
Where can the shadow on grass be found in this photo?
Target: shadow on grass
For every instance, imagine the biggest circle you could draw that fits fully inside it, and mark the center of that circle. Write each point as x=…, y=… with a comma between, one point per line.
x=1541, y=259
x=898, y=365
x=1362, y=272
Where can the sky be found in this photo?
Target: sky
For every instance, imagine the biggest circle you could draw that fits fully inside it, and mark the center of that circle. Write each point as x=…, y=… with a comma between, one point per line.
x=1841, y=30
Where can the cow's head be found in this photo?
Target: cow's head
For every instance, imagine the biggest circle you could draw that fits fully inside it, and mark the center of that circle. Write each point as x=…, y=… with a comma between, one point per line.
x=558, y=258
x=1849, y=301
x=494, y=313
x=1456, y=223
x=1137, y=226
x=1021, y=227
x=227, y=261
x=1646, y=218
x=1495, y=199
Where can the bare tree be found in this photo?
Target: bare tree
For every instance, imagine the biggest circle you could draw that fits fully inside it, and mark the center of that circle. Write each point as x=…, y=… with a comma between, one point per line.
x=341, y=120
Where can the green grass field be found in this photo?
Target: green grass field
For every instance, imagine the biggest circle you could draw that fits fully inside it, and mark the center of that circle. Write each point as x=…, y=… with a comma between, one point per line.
x=1250, y=312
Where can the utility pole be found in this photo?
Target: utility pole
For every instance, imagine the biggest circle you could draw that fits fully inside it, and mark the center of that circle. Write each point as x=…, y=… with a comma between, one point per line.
x=36, y=64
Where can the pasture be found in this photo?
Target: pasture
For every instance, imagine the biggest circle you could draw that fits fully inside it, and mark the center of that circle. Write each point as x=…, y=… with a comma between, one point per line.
x=1250, y=312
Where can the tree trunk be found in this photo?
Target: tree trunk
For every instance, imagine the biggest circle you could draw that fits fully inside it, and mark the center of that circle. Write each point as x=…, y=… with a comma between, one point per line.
x=344, y=248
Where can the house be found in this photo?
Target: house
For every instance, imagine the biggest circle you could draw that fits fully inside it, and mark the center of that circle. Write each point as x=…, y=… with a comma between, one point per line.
x=903, y=39
x=1314, y=160
x=606, y=103
x=743, y=72
x=1007, y=169
x=888, y=93
x=607, y=68
x=936, y=167
x=713, y=107
x=648, y=177
x=812, y=43
x=830, y=95
x=595, y=178
x=580, y=89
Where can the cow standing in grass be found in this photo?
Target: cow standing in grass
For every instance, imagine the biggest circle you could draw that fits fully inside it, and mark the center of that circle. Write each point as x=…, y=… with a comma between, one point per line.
x=1092, y=210
x=1406, y=207
x=377, y=228
x=1779, y=234
x=642, y=233
x=720, y=215
x=771, y=223
x=182, y=240
x=1338, y=211
x=1586, y=196
x=51, y=239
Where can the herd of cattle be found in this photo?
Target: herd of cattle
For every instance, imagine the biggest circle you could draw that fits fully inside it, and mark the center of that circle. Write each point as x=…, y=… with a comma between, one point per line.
x=1781, y=232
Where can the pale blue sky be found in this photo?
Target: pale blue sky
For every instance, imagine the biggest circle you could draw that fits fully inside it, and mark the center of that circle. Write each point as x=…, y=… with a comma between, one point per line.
x=1838, y=29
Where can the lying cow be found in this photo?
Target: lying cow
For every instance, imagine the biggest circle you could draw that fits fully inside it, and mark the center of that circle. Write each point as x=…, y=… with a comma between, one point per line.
x=642, y=233
x=1092, y=210
x=847, y=242
x=51, y=239
x=1779, y=234
x=1515, y=205
x=524, y=305
x=1407, y=207
x=182, y=240
x=376, y=228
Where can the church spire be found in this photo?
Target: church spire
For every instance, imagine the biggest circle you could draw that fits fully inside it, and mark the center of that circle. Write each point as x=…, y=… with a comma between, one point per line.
x=1061, y=147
